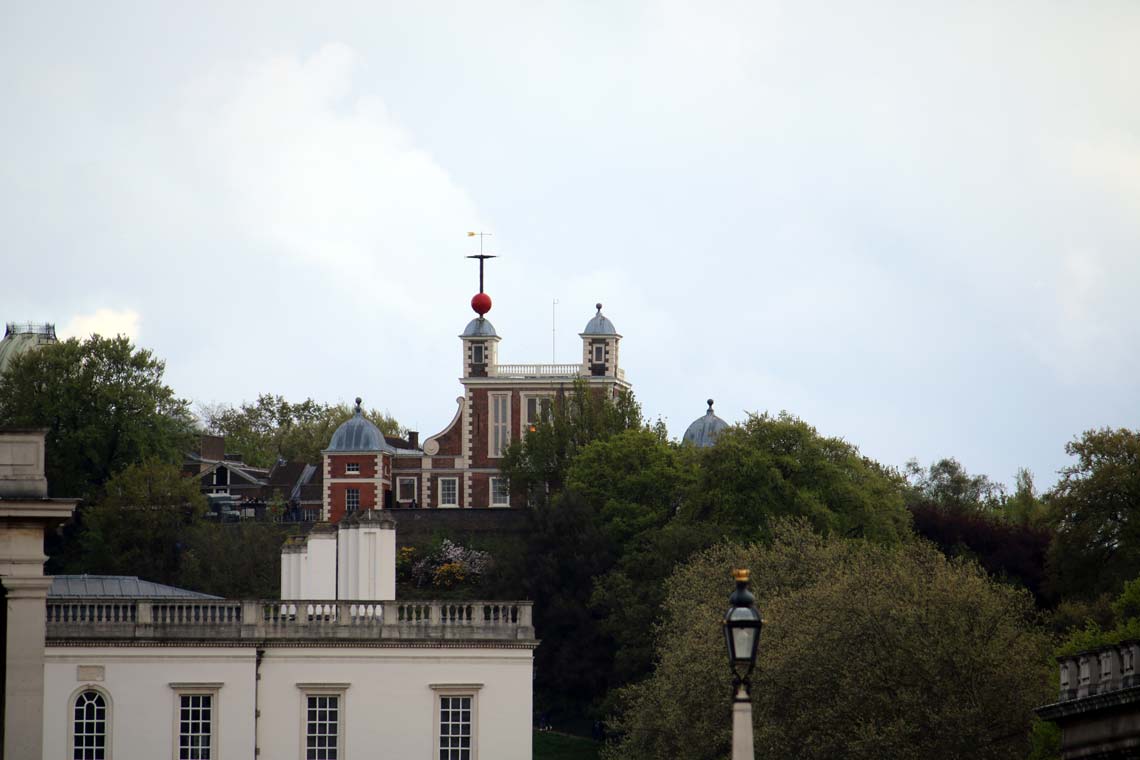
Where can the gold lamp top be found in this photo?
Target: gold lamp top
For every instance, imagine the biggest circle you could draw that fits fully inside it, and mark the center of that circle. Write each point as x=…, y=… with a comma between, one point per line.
x=741, y=575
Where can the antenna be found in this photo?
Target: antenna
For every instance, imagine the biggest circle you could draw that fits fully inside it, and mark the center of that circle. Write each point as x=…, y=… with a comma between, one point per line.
x=553, y=326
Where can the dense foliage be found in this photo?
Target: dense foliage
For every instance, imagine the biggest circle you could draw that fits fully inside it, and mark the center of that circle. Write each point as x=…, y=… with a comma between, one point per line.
x=272, y=428
x=868, y=651
x=105, y=407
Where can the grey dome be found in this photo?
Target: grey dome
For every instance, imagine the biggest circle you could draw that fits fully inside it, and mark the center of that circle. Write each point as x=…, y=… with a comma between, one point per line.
x=479, y=328
x=705, y=429
x=600, y=325
x=358, y=434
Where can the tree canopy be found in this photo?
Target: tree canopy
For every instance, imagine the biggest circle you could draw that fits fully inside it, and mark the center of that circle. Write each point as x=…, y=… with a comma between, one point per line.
x=272, y=428
x=868, y=651
x=105, y=406
x=1095, y=508
x=780, y=466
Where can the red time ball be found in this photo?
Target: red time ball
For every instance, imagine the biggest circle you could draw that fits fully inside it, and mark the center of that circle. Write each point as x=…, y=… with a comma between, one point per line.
x=481, y=303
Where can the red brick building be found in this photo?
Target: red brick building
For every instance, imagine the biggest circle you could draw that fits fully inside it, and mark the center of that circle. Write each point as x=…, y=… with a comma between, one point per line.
x=458, y=468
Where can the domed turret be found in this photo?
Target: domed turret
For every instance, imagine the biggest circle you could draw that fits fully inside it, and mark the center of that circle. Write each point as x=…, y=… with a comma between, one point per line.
x=19, y=338
x=600, y=325
x=705, y=429
x=480, y=327
x=358, y=434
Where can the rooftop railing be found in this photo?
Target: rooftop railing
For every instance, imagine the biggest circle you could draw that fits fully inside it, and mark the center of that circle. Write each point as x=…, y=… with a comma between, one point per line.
x=1099, y=671
x=29, y=328
x=535, y=370
x=266, y=620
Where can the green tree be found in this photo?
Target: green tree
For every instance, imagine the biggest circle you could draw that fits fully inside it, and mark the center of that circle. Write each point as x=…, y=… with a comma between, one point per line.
x=105, y=406
x=1095, y=508
x=235, y=560
x=773, y=467
x=141, y=525
x=946, y=486
x=868, y=651
x=537, y=464
x=1025, y=506
x=272, y=428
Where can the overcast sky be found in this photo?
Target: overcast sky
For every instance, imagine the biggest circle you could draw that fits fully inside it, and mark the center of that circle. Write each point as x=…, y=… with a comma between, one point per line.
x=914, y=225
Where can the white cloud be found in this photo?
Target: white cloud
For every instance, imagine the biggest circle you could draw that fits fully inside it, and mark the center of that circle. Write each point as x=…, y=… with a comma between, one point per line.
x=105, y=322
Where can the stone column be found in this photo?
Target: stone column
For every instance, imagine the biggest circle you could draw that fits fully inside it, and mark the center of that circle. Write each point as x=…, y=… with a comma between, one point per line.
x=24, y=684
x=742, y=744
x=25, y=513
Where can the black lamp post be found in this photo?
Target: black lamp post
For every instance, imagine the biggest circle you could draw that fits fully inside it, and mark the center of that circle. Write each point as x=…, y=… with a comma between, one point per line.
x=742, y=626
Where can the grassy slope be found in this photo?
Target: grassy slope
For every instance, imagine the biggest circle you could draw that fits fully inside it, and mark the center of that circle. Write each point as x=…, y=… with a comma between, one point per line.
x=551, y=746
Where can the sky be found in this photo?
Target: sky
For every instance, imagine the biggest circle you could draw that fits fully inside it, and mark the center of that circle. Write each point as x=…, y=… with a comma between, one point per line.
x=914, y=225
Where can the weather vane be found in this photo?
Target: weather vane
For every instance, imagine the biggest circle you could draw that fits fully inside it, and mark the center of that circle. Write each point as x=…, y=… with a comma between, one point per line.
x=481, y=302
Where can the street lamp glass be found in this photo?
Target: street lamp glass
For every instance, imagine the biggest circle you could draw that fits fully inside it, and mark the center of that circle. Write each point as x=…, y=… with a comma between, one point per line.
x=742, y=627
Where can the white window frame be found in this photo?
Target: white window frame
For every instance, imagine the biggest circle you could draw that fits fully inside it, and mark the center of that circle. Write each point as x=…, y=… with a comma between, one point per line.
x=108, y=723
x=196, y=690
x=497, y=424
x=400, y=480
x=455, y=504
x=351, y=491
x=491, y=485
x=599, y=353
x=338, y=690
x=441, y=690
x=352, y=468
x=524, y=417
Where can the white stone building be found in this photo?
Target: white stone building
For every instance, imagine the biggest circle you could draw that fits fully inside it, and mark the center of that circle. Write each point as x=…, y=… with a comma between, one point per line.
x=95, y=676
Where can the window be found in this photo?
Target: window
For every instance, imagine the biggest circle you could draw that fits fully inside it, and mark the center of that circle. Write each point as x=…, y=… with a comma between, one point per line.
x=599, y=354
x=449, y=492
x=478, y=354
x=352, y=467
x=455, y=728
x=322, y=727
x=537, y=409
x=500, y=492
x=405, y=489
x=221, y=477
x=500, y=423
x=456, y=721
x=195, y=726
x=351, y=499
x=89, y=726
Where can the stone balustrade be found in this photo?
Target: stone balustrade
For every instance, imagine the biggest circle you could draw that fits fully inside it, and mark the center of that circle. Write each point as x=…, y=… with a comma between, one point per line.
x=535, y=370
x=262, y=620
x=1099, y=671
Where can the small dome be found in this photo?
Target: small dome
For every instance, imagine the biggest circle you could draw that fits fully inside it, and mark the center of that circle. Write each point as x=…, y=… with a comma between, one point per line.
x=479, y=327
x=705, y=429
x=358, y=434
x=600, y=325
x=20, y=338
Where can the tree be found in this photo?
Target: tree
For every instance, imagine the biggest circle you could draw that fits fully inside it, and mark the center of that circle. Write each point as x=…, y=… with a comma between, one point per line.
x=946, y=486
x=273, y=428
x=868, y=651
x=536, y=465
x=1095, y=508
x=105, y=407
x=773, y=467
x=141, y=525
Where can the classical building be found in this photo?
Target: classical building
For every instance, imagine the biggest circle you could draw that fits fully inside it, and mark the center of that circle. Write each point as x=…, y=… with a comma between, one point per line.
x=111, y=668
x=22, y=337
x=458, y=467
x=1098, y=707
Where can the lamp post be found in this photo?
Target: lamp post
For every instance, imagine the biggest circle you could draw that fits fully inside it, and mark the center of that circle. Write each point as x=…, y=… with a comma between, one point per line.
x=742, y=625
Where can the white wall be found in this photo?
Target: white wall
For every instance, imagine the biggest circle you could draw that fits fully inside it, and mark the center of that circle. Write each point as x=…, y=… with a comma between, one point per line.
x=390, y=708
x=320, y=568
x=142, y=702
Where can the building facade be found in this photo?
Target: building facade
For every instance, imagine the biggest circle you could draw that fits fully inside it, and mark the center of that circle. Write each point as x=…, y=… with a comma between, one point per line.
x=459, y=467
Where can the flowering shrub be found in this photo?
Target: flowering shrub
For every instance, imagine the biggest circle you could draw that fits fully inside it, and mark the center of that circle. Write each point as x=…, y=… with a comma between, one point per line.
x=448, y=575
x=405, y=559
x=462, y=564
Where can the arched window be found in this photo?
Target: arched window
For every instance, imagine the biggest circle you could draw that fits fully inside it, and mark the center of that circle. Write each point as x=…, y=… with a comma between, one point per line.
x=89, y=726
